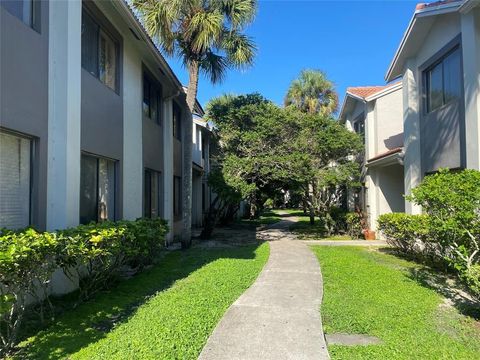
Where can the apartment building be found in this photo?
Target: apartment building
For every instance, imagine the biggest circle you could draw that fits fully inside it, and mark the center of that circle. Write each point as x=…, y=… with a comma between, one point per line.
x=91, y=117
x=439, y=61
x=375, y=112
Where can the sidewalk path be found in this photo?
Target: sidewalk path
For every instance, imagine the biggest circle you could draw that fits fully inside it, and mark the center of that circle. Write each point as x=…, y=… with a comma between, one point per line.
x=278, y=317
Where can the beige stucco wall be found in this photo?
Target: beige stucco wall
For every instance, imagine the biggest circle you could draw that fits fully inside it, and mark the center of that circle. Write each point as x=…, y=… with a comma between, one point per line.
x=388, y=122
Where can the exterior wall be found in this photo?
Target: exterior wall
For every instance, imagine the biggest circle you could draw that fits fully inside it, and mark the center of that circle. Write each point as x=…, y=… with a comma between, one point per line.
x=197, y=144
x=24, y=94
x=388, y=122
x=470, y=25
x=132, y=133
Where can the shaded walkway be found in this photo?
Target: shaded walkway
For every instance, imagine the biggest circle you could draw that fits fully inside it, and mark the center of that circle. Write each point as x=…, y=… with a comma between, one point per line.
x=278, y=316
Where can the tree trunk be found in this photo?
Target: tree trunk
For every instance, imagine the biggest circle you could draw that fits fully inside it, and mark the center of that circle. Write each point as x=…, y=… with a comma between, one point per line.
x=187, y=155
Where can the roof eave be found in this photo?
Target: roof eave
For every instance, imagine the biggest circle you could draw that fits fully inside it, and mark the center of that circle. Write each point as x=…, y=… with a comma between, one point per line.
x=396, y=66
x=342, y=110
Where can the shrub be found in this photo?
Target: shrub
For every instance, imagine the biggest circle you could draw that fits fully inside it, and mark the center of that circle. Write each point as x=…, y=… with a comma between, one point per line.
x=452, y=201
x=93, y=253
x=404, y=231
x=26, y=265
x=354, y=221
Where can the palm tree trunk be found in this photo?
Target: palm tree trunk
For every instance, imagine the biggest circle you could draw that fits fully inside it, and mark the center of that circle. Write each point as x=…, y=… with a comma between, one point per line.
x=187, y=155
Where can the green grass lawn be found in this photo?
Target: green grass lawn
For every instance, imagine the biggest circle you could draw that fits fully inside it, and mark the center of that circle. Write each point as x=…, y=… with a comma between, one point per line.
x=267, y=217
x=167, y=312
x=369, y=292
x=305, y=231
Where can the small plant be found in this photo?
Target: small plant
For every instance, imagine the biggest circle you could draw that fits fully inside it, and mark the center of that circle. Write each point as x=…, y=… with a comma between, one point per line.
x=356, y=224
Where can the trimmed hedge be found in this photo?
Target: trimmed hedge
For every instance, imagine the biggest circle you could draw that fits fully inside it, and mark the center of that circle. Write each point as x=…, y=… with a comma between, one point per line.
x=93, y=253
x=449, y=231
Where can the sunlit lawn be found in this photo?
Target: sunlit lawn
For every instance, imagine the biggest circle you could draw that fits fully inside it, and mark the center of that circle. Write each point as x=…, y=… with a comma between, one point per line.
x=167, y=312
x=369, y=292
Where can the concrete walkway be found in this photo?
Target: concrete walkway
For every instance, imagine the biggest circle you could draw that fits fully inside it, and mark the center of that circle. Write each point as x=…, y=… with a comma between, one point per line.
x=278, y=317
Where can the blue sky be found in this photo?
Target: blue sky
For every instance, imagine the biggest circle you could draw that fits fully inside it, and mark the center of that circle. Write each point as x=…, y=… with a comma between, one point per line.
x=352, y=41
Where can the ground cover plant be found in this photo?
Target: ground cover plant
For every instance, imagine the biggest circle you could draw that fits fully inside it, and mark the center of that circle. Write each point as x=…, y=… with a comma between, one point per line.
x=166, y=312
x=370, y=292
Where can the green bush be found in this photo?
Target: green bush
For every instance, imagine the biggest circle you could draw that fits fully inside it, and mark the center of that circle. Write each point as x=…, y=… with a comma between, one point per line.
x=449, y=231
x=404, y=231
x=452, y=200
x=93, y=253
x=354, y=221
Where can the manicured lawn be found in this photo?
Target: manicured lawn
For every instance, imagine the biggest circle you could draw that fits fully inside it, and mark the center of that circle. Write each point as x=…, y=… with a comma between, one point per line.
x=305, y=231
x=167, y=312
x=267, y=217
x=368, y=292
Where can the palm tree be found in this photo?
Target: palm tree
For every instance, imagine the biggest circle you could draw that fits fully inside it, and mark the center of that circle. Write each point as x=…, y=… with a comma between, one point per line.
x=207, y=36
x=313, y=93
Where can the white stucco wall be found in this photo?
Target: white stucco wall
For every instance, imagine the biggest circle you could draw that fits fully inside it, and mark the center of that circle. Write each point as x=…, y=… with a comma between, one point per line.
x=132, y=132
x=64, y=99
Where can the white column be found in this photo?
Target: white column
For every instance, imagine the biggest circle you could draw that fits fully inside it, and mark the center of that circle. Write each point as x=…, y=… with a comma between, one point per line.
x=471, y=80
x=64, y=97
x=132, y=134
x=411, y=126
x=168, y=166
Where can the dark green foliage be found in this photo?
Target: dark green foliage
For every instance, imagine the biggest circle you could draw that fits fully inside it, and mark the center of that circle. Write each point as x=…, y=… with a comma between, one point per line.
x=355, y=224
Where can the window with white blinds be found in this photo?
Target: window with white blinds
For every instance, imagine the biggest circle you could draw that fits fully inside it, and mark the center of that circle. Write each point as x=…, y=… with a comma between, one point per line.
x=15, y=172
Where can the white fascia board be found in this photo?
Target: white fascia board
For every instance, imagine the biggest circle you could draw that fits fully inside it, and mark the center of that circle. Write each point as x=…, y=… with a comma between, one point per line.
x=348, y=95
x=392, y=73
x=384, y=92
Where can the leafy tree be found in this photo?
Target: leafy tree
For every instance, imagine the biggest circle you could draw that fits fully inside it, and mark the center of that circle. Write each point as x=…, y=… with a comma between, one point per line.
x=207, y=36
x=312, y=93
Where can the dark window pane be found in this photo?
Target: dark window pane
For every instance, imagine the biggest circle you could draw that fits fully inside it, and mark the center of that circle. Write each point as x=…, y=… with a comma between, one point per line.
x=452, y=76
x=154, y=105
x=435, y=87
x=147, y=194
x=90, y=34
x=22, y=9
x=154, y=195
x=146, y=97
x=177, y=196
x=88, y=189
x=159, y=106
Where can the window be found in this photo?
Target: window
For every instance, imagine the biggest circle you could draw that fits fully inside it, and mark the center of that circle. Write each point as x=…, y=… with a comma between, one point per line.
x=26, y=10
x=177, y=196
x=15, y=180
x=204, y=196
x=443, y=81
x=152, y=193
x=99, y=52
x=97, y=189
x=177, y=122
x=359, y=126
x=152, y=100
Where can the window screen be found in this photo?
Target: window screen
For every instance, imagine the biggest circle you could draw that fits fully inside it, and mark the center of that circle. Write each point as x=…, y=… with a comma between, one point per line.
x=15, y=173
x=152, y=193
x=152, y=99
x=26, y=10
x=97, y=189
x=99, y=52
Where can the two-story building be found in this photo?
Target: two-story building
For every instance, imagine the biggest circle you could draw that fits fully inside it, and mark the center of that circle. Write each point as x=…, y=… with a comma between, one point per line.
x=91, y=117
x=439, y=61
x=375, y=112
